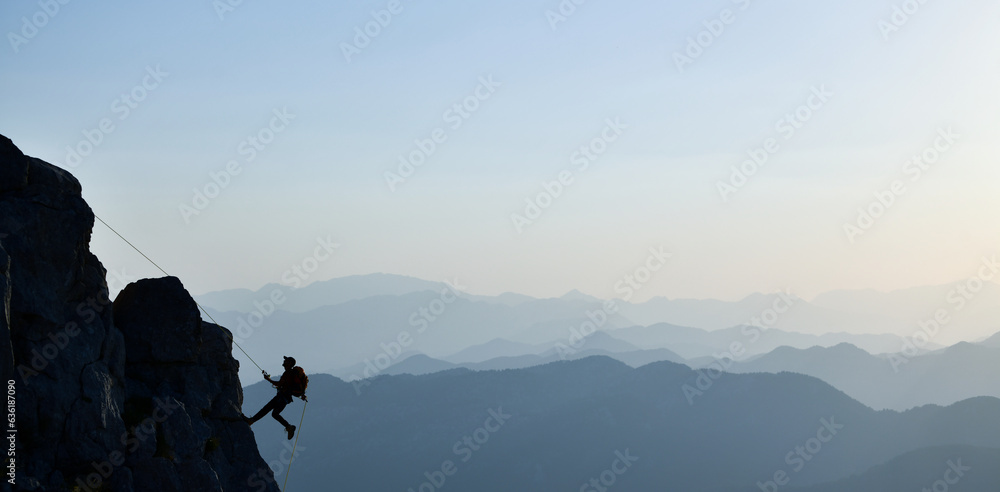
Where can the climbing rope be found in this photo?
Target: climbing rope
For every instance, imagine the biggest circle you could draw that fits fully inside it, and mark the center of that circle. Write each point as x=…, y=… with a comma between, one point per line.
x=167, y=274
x=298, y=432
x=305, y=402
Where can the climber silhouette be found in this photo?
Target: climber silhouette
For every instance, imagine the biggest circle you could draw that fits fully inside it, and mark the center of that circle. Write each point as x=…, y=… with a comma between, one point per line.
x=292, y=383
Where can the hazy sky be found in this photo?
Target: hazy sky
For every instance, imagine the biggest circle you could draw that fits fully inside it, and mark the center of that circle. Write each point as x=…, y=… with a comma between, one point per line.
x=185, y=86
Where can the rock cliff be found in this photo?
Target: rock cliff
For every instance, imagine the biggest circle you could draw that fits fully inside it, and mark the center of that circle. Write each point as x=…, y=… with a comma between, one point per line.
x=138, y=395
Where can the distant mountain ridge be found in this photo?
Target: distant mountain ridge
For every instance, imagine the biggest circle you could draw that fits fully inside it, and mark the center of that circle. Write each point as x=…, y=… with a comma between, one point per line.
x=942, y=377
x=993, y=341
x=695, y=342
x=555, y=426
x=319, y=294
x=848, y=311
x=385, y=326
x=498, y=347
x=415, y=363
x=365, y=314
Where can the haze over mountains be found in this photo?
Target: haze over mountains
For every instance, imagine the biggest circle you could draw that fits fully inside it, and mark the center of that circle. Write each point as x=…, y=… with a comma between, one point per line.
x=896, y=382
x=360, y=327
x=855, y=390
x=974, y=313
x=441, y=388
x=352, y=319
x=643, y=246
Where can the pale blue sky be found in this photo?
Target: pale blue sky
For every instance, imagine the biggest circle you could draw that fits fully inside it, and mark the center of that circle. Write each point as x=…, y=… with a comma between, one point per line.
x=656, y=185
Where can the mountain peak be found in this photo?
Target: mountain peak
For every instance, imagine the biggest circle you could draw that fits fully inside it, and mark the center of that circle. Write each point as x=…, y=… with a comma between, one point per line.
x=576, y=295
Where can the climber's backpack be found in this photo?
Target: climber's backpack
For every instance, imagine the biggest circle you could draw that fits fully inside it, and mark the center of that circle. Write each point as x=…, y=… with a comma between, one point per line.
x=299, y=382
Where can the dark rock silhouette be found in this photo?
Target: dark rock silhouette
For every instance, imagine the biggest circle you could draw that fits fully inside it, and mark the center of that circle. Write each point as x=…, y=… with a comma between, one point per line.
x=143, y=400
x=183, y=366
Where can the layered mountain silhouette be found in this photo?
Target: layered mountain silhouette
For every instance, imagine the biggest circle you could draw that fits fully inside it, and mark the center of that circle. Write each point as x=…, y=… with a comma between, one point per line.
x=348, y=333
x=569, y=421
x=898, y=382
x=598, y=343
x=693, y=343
x=993, y=341
x=498, y=347
x=891, y=381
x=855, y=312
x=319, y=294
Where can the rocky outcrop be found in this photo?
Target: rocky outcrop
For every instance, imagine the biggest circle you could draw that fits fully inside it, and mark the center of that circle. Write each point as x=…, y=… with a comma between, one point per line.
x=99, y=409
x=67, y=355
x=178, y=383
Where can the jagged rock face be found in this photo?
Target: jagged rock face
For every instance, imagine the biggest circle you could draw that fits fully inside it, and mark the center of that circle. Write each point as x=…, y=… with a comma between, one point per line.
x=68, y=357
x=180, y=373
x=81, y=410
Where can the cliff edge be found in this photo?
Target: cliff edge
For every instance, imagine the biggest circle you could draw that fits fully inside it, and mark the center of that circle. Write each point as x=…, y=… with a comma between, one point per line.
x=135, y=395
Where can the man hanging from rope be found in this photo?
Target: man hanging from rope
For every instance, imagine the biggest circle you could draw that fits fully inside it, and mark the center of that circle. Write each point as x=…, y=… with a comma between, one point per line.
x=293, y=382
